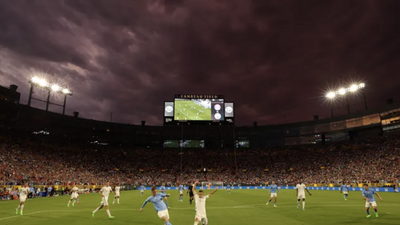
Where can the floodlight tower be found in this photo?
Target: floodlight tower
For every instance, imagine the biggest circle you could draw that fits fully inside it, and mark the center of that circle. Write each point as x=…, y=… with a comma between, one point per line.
x=51, y=88
x=344, y=92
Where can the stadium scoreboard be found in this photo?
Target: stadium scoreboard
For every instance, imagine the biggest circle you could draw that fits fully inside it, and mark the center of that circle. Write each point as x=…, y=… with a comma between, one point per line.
x=198, y=108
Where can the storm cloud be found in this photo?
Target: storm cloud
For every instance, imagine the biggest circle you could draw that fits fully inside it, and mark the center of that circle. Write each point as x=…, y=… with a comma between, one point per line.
x=271, y=58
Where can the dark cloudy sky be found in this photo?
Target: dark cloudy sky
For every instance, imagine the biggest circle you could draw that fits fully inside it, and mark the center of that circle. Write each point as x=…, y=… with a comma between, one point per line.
x=272, y=58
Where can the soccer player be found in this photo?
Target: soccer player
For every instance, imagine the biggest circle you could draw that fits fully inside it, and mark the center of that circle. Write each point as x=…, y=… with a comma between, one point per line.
x=180, y=189
x=104, y=191
x=200, y=201
x=142, y=188
x=49, y=191
x=162, y=189
x=190, y=192
x=159, y=205
x=368, y=195
x=272, y=193
x=345, y=190
x=301, y=194
x=228, y=189
x=74, y=195
x=31, y=192
x=116, y=197
x=23, y=193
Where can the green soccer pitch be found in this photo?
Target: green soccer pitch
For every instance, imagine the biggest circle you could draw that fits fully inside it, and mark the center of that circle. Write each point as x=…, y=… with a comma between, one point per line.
x=241, y=207
x=183, y=110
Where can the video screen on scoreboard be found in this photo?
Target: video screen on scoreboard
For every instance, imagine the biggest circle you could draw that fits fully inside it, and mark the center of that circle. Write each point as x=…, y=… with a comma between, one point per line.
x=242, y=144
x=184, y=143
x=199, y=109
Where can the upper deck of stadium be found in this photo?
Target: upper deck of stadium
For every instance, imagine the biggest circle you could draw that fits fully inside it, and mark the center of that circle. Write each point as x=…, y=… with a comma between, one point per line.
x=23, y=120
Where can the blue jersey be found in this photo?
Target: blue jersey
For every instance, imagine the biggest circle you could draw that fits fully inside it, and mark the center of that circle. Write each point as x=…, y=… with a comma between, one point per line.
x=369, y=194
x=157, y=201
x=162, y=189
x=228, y=187
x=142, y=188
x=273, y=188
x=180, y=187
x=344, y=188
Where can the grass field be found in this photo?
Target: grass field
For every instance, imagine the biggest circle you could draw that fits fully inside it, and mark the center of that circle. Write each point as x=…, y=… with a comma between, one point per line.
x=241, y=207
x=189, y=110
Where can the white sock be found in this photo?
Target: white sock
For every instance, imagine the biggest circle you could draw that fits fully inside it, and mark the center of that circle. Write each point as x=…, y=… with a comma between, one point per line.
x=98, y=208
x=304, y=204
x=108, y=212
x=73, y=202
x=22, y=208
x=118, y=200
x=69, y=202
x=19, y=206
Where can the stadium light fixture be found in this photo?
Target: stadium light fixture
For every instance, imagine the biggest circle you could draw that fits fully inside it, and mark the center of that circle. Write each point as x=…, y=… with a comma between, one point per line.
x=353, y=88
x=66, y=91
x=51, y=87
x=55, y=87
x=35, y=80
x=344, y=91
x=331, y=95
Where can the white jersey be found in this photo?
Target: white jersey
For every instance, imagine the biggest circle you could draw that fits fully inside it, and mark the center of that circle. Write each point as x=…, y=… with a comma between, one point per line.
x=201, y=204
x=117, y=189
x=23, y=192
x=301, y=188
x=75, y=190
x=106, y=191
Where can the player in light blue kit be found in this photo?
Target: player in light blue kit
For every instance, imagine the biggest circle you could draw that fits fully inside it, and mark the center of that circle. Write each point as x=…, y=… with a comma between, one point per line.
x=159, y=205
x=162, y=189
x=180, y=189
x=142, y=188
x=368, y=195
x=273, y=189
x=345, y=190
x=228, y=189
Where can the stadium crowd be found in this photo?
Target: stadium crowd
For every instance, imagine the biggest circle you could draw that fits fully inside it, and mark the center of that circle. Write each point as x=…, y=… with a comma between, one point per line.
x=373, y=161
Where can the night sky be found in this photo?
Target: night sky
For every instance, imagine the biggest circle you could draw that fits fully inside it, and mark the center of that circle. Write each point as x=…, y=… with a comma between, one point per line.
x=272, y=58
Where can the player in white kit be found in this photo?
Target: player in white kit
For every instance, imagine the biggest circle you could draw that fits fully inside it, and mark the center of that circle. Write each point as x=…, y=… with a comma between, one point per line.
x=200, y=200
x=23, y=194
x=301, y=194
x=117, y=193
x=105, y=192
x=74, y=196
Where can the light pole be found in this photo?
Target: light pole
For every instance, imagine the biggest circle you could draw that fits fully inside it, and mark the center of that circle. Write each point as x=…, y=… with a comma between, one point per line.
x=51, y=88
x=343, y=92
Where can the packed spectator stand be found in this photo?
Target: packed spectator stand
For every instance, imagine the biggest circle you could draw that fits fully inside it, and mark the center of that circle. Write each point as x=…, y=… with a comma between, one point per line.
x=373, y=161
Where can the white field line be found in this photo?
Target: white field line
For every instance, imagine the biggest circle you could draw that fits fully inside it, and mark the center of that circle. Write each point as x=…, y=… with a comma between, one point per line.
x=231, y=207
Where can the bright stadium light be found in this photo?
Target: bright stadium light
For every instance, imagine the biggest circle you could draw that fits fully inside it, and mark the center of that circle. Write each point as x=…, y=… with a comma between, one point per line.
x=35, y=80
x=55, y=87
x=331, y=95
x=353, y=88
x=66, y=91
x=42, y=82
x=342, y=91
x=39, y=81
